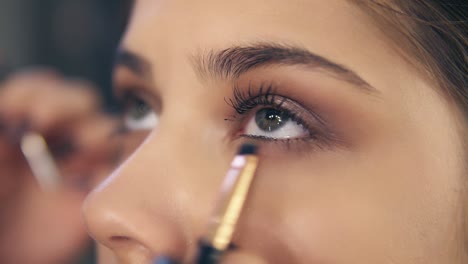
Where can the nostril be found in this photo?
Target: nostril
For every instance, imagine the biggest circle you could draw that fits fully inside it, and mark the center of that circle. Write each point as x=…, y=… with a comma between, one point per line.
x=125, y=243
x=120, y=239
x=133, y=231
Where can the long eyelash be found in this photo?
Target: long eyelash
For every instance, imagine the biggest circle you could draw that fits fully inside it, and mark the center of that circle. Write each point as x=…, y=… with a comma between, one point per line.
x=265, y=95
x=244, y=101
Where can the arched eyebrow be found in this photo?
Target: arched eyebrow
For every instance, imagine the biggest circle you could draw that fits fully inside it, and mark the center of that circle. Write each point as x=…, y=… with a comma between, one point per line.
x=232, y=62
x=133, y=62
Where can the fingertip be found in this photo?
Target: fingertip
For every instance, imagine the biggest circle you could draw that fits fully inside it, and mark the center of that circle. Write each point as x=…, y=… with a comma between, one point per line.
x=35, y=73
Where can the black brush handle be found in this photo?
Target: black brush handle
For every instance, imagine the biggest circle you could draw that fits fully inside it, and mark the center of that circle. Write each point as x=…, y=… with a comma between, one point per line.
x=207, y=254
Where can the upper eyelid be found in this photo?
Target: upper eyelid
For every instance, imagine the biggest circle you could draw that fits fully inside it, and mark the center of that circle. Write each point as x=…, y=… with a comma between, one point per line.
x=124, y=79
x=276, y=99
x=267, y=92
x=239, y=96
x=142, y=93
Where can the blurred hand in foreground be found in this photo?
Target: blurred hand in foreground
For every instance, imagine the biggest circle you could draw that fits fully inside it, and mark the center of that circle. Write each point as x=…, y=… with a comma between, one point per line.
x=45, y=227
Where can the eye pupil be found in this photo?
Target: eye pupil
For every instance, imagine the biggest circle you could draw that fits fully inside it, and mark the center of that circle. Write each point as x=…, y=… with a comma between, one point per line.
x=139, y=109
x=270, y=119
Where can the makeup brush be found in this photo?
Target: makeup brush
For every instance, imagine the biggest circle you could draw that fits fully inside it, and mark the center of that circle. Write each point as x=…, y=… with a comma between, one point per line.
x=233, y=194
x=40, y=161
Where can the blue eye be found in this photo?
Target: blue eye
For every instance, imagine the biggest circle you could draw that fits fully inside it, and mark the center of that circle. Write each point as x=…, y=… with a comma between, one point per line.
x=139, y=115
x=271, y=123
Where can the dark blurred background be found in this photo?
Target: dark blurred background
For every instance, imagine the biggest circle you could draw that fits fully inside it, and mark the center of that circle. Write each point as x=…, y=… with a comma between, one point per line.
x=77, y=37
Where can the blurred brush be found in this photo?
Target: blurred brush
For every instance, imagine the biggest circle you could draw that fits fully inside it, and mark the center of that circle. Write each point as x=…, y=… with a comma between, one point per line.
x=41, y=161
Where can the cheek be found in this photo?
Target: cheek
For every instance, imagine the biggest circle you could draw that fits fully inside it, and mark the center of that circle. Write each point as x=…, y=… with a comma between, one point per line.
x=325, y=208
x=382, y=202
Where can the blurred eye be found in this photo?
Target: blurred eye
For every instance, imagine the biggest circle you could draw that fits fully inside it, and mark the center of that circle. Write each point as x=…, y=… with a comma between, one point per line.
x=271, y=123
x=139, y=115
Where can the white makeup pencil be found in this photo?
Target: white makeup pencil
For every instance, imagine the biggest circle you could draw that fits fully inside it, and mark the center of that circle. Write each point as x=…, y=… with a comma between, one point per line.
x=40, y=161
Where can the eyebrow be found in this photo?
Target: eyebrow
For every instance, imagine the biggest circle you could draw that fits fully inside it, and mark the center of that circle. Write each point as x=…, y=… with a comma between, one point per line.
x=134, y=62
x=232, y=62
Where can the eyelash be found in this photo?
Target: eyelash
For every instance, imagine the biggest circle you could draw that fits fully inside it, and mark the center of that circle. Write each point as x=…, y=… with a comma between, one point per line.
x=244, y=101
x=263, y=96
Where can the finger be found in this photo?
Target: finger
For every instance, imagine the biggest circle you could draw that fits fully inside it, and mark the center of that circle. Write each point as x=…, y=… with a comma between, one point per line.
x=84, y=150
x=94, y=137
x=67, y=102
x=95, y=150
x=18, y=91
x=45, y=100
x=8, y=151
x=55, y=215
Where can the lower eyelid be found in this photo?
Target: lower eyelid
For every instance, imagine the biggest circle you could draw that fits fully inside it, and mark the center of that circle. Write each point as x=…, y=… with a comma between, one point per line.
x=278, y=147
x=148, y=122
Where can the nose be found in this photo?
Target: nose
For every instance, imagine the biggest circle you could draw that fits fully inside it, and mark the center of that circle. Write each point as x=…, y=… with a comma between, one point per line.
x=157, y=202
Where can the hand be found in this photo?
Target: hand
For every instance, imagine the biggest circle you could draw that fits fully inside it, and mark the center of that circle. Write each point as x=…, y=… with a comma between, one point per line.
x=45, y=227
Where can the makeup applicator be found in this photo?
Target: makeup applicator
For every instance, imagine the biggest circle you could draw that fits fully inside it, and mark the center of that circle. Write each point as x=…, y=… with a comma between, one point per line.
x=233, y=194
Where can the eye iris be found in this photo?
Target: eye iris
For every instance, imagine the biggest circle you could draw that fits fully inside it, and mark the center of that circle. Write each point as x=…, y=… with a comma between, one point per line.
x=139, y=109
x=269, y=119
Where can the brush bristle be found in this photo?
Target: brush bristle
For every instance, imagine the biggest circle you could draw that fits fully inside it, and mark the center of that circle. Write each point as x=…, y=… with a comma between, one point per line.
x=248, y=149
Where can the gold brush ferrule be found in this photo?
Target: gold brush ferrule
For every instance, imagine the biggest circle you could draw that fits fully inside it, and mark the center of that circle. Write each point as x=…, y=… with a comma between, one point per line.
x=234, y=193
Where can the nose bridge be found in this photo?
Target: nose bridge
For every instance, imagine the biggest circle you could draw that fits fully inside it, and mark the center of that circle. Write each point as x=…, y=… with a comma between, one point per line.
x=156, y=203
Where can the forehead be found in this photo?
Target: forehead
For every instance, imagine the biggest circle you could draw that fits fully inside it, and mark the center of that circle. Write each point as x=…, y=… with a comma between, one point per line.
x=169, y=31
x=215, y=21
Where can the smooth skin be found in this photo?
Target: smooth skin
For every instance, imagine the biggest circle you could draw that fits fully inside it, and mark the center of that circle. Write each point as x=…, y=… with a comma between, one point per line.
x=386, y=188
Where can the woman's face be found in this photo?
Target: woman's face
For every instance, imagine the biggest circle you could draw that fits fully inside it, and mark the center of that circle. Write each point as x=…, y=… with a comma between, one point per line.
x=359, y=154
